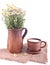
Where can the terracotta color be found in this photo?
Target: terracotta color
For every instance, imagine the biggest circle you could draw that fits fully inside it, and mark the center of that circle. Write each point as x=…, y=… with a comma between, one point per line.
x=15, y=40
x=35, y=46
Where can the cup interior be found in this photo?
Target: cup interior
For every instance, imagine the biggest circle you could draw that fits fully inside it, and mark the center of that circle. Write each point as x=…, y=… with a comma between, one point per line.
x=34, y=40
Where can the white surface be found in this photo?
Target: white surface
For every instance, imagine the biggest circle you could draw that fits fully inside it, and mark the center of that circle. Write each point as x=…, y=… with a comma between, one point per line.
x=32, y=40
x=37, y=22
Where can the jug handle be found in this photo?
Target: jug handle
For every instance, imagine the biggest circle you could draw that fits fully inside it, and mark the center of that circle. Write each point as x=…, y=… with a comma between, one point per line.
x=24, y=32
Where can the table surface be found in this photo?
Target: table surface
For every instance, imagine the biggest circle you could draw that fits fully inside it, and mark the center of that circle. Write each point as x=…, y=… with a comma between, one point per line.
x=25, y=57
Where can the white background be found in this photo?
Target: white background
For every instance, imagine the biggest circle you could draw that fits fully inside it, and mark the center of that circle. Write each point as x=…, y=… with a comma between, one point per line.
x=37, y=22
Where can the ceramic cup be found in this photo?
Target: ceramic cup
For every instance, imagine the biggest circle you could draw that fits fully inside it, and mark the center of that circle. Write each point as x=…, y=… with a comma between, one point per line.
x=35, y=44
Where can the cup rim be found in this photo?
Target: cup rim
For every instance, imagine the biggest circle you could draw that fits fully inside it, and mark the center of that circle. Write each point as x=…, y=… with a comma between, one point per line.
x=39, y=40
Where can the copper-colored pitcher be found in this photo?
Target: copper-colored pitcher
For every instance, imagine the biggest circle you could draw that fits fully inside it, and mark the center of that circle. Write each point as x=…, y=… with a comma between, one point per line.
x=15, y=40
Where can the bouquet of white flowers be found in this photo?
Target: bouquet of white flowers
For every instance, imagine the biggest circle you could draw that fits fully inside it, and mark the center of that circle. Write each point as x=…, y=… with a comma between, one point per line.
x=14, y=17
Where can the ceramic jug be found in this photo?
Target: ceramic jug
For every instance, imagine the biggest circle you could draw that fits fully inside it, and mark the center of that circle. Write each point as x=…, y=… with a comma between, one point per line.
x=15, y=40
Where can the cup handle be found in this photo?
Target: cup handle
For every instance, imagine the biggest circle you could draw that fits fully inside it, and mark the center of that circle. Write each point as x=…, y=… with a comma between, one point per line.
x=44, y=44
x=24, y=32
